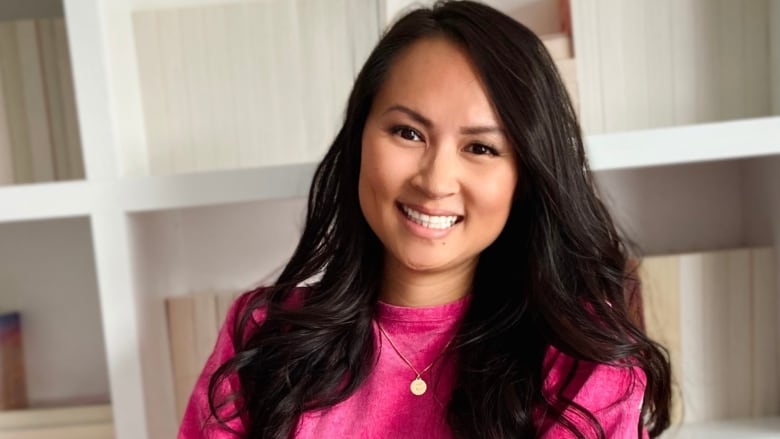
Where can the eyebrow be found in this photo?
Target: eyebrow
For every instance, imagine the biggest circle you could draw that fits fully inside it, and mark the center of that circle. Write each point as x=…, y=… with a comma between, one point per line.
x=419, y=118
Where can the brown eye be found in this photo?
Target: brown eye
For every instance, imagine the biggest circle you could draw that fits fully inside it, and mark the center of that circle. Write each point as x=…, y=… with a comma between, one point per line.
x=480, y=149
x=407, y=133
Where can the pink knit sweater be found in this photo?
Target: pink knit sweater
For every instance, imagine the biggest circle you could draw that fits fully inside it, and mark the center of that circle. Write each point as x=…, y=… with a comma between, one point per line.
x=385, y=408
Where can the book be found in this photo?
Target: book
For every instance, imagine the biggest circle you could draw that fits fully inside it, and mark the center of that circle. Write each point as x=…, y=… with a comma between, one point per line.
x=193, y=324
x=68, y=91
x=35, y=101
x=14, y=104
x=47, y=43
x=6, y=148
x=716, y=314
x=13, y=387
x=558, y=44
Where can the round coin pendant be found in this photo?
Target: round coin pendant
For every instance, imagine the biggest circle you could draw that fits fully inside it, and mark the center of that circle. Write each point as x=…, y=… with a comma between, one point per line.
x=418, y=386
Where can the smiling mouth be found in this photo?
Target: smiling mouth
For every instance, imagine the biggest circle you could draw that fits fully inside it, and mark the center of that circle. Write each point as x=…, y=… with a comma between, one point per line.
x=435, y=222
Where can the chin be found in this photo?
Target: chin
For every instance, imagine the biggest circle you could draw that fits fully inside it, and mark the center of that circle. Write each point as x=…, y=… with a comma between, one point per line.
x=427, y=264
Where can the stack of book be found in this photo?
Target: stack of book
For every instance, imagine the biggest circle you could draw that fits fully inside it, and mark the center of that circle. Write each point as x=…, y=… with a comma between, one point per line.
x=716, y=313
x=243, y=84
x=648, y=64
x=13, y=388
x=560, y=48
x=20, y=420
x=193, y=325
x=39, y=136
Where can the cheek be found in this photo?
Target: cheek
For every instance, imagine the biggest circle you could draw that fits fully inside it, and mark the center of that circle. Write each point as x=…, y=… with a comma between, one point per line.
x=497, y=197
x=382, y=172
x=375, y=183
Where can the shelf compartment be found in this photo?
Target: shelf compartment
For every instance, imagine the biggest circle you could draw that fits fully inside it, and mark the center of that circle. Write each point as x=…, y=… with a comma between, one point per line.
x=48, y=274
x=695, y=207
x=217, y=249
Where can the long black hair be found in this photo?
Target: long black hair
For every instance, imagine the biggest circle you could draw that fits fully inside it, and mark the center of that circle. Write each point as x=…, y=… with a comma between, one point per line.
x=555, y=276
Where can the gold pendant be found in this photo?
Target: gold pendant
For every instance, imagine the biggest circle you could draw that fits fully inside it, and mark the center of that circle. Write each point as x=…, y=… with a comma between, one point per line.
x=418, y=386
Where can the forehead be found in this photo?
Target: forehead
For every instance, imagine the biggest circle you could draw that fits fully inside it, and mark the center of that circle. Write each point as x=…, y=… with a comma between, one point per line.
x=437, y=77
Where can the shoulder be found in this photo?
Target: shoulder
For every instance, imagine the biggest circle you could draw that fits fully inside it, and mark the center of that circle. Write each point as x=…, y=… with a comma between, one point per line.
x=256, y=302
x=198, y=420
x=612, y=394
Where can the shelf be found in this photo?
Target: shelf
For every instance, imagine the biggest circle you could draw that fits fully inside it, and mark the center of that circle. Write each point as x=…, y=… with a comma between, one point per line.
x=35, y=418
x=633, y=149
x=684, y=144
x=45, y=201
x=49, y=278
x=763, y=428
x=213, y=188
x=138, y=5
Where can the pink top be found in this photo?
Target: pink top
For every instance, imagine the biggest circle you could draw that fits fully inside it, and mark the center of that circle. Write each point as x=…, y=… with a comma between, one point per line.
x=384, y=407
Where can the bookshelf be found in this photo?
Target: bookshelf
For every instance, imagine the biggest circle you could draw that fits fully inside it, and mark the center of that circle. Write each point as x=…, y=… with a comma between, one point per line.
x=145, y=230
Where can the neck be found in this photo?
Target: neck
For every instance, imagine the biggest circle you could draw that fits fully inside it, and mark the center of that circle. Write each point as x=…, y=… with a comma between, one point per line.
x=403, y=286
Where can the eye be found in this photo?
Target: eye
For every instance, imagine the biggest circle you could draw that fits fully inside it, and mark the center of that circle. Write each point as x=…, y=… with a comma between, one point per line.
x=407, y=133
x=480, y=149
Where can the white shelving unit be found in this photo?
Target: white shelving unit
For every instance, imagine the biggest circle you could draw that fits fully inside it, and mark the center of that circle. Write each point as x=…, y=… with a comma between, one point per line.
x=677, y=189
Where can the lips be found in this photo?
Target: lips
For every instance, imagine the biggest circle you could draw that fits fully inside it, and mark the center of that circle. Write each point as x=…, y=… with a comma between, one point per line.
x=428, y=220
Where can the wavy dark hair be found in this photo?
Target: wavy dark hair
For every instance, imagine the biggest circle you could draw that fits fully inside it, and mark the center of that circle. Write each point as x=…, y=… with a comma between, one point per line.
x=555, y=276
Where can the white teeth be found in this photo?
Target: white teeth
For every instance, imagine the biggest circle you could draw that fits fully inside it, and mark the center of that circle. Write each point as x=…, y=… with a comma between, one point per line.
x=430, y=221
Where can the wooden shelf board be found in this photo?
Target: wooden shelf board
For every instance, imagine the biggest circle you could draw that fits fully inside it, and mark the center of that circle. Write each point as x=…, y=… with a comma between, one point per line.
x=684, y=144
x=45, y=200
x=213, y=188
x=50, y=417
x=759, y=428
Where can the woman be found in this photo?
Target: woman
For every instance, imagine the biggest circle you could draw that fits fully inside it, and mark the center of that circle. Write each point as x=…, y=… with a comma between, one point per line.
x=464, y=280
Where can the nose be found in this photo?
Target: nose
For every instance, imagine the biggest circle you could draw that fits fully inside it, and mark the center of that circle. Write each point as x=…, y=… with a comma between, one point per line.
x=437, y=176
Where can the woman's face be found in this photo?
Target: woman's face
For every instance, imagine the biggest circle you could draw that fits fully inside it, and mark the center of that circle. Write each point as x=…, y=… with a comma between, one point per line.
x=437, y=174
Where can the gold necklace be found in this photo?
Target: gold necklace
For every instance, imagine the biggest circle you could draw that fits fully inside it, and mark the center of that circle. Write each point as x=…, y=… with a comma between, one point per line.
x=418, y=386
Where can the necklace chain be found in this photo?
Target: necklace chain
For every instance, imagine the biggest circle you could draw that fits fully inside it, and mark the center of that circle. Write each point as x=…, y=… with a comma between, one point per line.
x=418, y=385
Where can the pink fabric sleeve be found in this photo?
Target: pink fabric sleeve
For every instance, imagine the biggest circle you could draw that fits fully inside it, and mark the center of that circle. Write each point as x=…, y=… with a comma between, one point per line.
x=614, y=395
x=198, y=422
